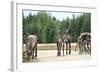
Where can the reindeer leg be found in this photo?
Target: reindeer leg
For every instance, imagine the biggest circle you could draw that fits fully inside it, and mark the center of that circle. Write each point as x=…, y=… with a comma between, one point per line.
x=69, y=48
x=33, y=53
x=88, y=47
x=63, y=48
x=80, y=48
x=66, y=48
x=36, y=51
x=28, y=55
x=58, y=49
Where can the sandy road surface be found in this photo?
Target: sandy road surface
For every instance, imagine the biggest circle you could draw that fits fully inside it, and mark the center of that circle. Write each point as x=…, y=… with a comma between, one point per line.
x=51, y=56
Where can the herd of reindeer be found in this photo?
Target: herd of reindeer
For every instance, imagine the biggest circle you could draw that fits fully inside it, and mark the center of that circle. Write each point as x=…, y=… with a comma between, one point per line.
x=63, y=43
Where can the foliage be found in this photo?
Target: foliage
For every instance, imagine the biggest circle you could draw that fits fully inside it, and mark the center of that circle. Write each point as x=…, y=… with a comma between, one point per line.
x=48, y=27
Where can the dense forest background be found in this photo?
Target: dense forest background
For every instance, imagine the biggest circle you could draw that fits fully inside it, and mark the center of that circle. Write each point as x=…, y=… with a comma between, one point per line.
x=47, y=27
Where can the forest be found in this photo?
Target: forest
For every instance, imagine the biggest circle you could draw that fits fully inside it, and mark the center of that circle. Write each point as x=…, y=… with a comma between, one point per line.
x=48, y=27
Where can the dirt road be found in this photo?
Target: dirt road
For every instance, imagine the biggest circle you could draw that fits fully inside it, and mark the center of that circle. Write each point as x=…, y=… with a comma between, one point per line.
x=48, y=53
x=51, y=56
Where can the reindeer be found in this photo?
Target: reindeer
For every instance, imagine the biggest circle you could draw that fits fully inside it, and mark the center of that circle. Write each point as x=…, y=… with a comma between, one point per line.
x=60, y=44
x=67, y=41
x=61, y=41
x=31, y=46
x=84, y=43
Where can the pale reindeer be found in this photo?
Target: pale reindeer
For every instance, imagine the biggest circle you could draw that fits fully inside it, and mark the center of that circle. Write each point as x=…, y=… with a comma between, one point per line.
x=31, y=46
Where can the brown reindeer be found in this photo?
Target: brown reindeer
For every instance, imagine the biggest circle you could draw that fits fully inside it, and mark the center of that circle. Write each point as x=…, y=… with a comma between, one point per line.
x=61, y=42
x=84, y=43
x=67, y=41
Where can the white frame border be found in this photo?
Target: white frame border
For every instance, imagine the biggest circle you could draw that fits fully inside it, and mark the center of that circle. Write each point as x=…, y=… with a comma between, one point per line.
x=17, y=65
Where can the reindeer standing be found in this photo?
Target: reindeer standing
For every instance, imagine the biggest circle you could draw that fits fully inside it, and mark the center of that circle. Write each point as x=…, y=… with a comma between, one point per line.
x=61, y=42
x=84, y=43
x=67, y=41
x=31, y=46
